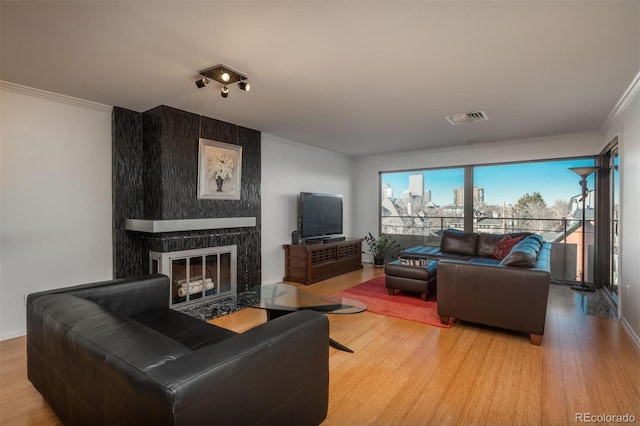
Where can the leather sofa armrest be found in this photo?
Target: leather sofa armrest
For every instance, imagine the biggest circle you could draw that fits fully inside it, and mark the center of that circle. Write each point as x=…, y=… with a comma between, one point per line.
x=129, y=296
x=509, y=297
x=282, y=367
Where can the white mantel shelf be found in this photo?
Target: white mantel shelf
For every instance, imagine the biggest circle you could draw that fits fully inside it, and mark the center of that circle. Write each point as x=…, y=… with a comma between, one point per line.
x=158, y=226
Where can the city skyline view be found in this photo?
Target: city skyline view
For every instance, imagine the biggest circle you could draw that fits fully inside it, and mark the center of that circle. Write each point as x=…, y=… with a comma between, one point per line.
x=502, y=184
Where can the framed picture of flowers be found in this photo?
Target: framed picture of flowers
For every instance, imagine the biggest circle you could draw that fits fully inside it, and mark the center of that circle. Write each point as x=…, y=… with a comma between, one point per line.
x=219, y=170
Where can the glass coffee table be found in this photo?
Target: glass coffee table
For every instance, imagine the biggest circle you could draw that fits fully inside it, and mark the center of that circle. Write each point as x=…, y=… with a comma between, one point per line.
x=282, y=299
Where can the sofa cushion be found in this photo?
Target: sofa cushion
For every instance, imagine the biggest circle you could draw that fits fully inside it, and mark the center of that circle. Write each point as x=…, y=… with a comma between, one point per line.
x=504, y=246
x=536, y=237
x=525, y=253
x=420, y=252
x=484, y=261
x=487, y=243
x=183, y=328
x=458, y=242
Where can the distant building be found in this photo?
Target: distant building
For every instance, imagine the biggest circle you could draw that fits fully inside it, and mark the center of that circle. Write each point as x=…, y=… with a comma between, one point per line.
x=453, y=210
x=427, y=196
x=575, y=203
x=491, y=224
x=387, y=191
x=478, y=195
x=416, y=185
x=458, y=196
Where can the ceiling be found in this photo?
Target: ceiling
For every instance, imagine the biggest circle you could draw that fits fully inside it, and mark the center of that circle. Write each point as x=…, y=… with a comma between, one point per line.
x=356, y=78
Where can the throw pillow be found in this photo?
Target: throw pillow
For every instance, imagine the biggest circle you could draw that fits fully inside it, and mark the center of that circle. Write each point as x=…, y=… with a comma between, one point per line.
x=523, y=257
x=504, y=247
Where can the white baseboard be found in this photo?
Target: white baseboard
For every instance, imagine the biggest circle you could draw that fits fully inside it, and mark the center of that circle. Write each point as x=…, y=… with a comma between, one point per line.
x=12, y=335
x=630, y=332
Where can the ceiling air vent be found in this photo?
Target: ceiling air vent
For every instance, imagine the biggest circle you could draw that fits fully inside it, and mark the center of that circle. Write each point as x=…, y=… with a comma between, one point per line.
x=467, y=117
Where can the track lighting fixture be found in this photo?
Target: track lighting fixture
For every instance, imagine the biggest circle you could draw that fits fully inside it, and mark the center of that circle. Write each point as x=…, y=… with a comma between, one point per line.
x=202, y=82
x=224, y=75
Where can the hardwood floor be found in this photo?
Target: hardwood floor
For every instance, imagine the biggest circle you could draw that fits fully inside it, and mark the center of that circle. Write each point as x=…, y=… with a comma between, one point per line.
x=406, y=373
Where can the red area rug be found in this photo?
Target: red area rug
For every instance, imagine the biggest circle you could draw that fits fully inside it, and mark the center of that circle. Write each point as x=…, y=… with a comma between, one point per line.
x=405, y=305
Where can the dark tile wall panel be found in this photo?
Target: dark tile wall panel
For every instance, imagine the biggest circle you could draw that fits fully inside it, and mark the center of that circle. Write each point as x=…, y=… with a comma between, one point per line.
x=127, y=190
x=152, y=139
x=168, y=153
x=179, y=141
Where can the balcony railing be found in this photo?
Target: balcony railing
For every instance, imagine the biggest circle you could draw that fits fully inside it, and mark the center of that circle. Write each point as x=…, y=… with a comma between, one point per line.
x=434, y=225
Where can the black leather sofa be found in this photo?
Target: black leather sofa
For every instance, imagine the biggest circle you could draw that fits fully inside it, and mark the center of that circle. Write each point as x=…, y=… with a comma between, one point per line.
x=474, y=286
x=114, y=353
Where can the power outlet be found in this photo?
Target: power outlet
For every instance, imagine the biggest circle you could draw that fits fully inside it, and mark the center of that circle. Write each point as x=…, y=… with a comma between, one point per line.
x=628, y=291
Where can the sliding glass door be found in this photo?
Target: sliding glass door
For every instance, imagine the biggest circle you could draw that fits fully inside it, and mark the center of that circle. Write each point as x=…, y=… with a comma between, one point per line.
x=614, y=207
x=608, y=212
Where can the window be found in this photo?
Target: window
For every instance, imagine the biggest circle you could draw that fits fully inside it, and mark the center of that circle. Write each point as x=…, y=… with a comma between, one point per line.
x=539, y=197
x=422, y=203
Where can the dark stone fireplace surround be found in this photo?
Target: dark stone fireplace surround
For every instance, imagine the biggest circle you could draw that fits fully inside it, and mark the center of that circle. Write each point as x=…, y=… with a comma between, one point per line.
x=155, y=171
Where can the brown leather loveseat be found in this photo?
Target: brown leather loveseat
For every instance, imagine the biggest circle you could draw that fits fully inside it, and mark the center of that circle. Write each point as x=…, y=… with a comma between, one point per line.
x=473, y=285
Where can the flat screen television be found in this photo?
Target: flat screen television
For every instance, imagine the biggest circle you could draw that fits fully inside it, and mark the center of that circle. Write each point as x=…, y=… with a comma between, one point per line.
x=320, y=215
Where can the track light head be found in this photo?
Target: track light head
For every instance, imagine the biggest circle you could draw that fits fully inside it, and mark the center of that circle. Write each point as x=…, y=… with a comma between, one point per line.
x=225, y=76
x=224, y=92
x=244, y=86
x=202, y=82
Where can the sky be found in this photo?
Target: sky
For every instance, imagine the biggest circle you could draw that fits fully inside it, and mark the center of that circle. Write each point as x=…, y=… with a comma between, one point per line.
x=501, y=183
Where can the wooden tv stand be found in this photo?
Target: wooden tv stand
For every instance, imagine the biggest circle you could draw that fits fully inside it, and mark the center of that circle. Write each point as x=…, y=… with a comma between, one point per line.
x=310, y=263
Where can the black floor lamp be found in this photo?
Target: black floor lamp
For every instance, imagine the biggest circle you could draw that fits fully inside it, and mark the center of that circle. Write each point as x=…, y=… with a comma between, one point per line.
x=583, y=172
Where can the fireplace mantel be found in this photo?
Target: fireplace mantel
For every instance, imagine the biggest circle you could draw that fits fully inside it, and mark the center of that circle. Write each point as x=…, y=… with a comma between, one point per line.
x=159, y=226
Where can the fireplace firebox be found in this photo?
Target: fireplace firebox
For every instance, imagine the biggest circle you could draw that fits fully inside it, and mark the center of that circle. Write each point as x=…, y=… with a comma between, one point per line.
x=197, y=275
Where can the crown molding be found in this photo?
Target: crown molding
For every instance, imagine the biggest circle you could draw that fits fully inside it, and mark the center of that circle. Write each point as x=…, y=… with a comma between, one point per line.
x=624, y=101
x=56, y=97
x=301, y=145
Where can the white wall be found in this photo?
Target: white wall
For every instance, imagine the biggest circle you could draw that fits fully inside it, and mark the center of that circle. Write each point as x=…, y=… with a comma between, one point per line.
x=289, y=168
x=55, y=198
x=367, y=169
x=624, y=122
